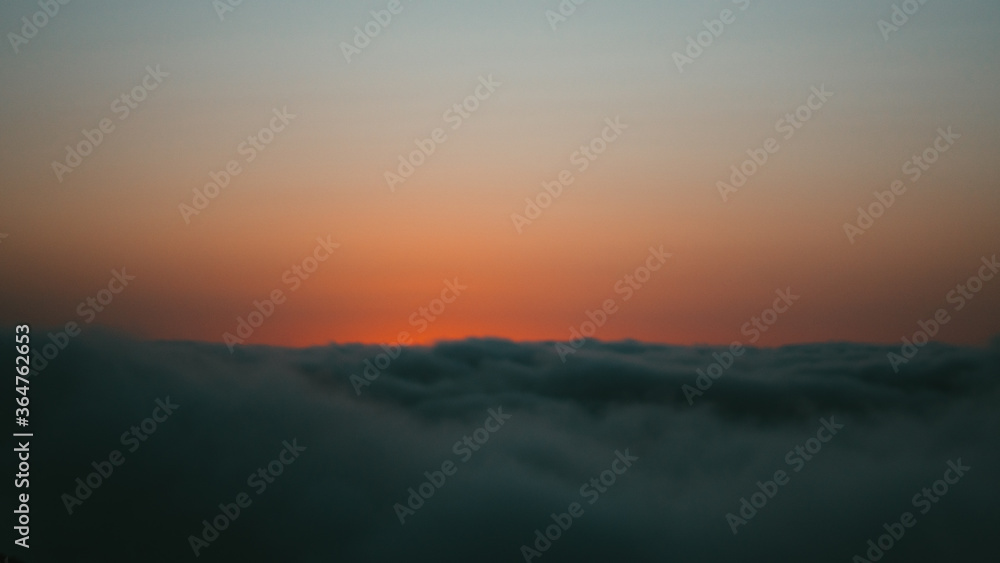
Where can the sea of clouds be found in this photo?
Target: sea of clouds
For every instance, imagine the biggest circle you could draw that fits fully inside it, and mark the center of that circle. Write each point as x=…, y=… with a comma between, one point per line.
x=339, y=498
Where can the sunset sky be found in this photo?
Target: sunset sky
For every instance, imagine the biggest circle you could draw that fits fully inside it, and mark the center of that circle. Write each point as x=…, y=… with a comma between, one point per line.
x=521, y=280
x=212, y=81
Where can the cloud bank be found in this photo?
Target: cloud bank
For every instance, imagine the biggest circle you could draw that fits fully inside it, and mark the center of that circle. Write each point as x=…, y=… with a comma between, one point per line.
x=504, y=436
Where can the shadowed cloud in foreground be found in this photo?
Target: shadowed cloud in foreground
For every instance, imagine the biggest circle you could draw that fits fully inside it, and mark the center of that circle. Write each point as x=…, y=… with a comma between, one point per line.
x=346, y=460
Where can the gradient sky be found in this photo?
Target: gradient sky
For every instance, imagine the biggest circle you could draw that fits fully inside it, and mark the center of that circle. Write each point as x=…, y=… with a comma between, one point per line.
x=656, y=185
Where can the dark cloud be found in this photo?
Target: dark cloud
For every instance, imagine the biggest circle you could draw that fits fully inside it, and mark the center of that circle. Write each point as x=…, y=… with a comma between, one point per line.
x=335, y=501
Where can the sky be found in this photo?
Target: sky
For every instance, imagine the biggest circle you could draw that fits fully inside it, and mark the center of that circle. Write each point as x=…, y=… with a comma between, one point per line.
x=501, y=280
x=330, y=114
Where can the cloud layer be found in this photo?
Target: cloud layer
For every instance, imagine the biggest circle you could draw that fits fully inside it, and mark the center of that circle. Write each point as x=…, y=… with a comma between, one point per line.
x=562, y=426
